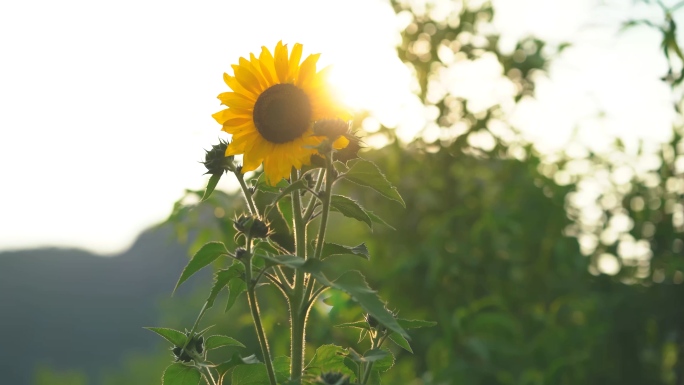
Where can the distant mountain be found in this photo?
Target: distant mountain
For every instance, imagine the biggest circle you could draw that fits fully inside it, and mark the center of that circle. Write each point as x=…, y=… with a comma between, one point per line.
x=74, y=310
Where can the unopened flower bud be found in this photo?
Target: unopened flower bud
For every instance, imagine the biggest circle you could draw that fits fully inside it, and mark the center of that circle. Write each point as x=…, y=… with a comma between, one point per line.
x=331, y=128
x=332, y=378
x=240, y=252
x=216, y=161
x=252, y=226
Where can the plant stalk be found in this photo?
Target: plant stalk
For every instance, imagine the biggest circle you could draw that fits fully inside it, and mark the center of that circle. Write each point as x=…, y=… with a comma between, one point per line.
x=254, y=307
x=297, y=317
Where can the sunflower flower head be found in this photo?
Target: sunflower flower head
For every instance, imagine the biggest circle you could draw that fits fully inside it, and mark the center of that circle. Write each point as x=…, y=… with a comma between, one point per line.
x=273, y=102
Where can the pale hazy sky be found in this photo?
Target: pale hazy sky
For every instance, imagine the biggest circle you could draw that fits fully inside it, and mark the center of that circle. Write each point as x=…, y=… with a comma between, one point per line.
x=105, y=107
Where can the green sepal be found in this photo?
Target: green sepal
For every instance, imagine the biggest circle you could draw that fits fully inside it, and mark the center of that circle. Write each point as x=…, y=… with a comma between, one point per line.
x=179, y=374
x=349, y=208
x=213, y=181
x=176, y=337
x=218, y=341
x=366, y=173
x=330, y=249
x=203, y=257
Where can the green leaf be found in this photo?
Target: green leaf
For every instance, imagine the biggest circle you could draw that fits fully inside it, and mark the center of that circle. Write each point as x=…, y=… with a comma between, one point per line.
x=213, y=181
x=236, y=287
x=354, y=284
x=401, y=341
x=340, y=167
x=206, y=255
x=356, y=324
x=366, y=173
x=375, y=355
x=179, y=374
x=174, y=336
x=281, y=366
x=285, y=209
x=329, y=358
x=214, y=342
x=261, y=185
x=222, y=278
x=380, y=366
x=349, y=208
x=255, y=374
x=415, y=323
x=384, y=363
x=377, y=219
x=311, y=266
x=235, y=361
x=330, y=249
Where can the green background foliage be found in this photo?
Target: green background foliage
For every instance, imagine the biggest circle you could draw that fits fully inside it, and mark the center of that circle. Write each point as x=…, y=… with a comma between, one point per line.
x=486, y=247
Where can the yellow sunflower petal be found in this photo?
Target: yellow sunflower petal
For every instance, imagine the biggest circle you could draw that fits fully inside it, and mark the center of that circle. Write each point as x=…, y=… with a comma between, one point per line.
x=340, y=143
x=266, y=63
x=256, y=154
x=236, y=100
x=246, y=79
x=307, y=70
x=295, y=58
x=281, y=62
x=238, y=88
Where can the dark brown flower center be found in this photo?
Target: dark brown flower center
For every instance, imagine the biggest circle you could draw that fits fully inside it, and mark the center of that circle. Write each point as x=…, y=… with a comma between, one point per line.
x=282, y=113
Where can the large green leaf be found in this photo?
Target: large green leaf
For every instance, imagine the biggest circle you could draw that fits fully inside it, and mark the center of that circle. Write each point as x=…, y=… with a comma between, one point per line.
x=330, y=249
x=236, y=287
x=213, y=181
x=366, y=173
x=351, y=282
x=179, y=374
x=311, y=266
x=223, y=278
x=235, y=361
x=281, y=366
x=214, y=342
x=329, y=358
x=349, y=208
x=206, y=255
x=176, y=337
x=401, y=341
x=377, y=219
x=255, y=374
x=354, y=284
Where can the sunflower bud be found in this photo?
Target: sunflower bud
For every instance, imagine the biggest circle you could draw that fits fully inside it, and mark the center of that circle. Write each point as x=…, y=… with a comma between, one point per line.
x=216, y=161
x=194, y=347
x=251, y=226
x=332, y=378
x=240, y=252
x=331, y=128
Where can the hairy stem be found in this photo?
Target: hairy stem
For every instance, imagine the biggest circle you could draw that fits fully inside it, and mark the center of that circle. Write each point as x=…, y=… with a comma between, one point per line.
x=254, y=307
x=247, y=192
x=297, y=317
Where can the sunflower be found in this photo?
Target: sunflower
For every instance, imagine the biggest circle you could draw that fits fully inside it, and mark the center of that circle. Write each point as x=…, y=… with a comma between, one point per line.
x=274, y=102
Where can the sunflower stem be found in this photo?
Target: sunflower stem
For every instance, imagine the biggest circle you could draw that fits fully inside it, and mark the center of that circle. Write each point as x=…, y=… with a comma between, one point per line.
x=256, y=317
x=247, y=192
x=325, y=210
x=297, y=315
x=312, y=202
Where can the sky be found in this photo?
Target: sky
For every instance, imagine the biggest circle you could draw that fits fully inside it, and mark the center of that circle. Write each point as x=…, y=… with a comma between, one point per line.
x=105, y=107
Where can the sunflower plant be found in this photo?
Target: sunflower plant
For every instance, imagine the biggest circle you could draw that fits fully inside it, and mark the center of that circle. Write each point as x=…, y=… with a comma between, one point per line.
x=282, y=116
